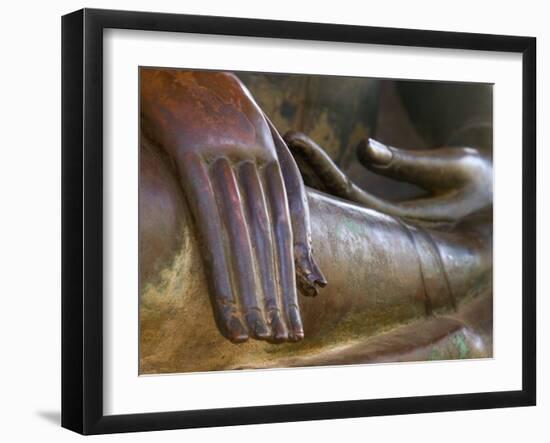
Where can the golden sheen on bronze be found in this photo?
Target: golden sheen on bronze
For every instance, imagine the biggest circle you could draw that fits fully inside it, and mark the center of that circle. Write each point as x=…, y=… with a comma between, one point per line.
x=230, y=164
x=230, y=236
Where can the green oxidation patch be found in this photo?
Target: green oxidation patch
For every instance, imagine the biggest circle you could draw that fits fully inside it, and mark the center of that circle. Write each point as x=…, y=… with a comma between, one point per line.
x=435, y=354
x=461, y=345
x=352, y=226
x=456, y=347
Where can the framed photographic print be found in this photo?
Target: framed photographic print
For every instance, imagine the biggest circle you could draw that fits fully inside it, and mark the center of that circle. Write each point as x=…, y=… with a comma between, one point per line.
x=269, y=221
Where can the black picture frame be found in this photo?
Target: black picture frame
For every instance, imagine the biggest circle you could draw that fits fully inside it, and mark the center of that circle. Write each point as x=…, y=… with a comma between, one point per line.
x=82, y=220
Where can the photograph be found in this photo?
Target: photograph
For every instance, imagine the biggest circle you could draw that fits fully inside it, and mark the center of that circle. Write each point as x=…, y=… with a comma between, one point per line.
x=293, y=220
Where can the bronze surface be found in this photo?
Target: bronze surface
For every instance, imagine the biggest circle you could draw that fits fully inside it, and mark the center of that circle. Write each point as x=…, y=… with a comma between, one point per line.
x=229, y=233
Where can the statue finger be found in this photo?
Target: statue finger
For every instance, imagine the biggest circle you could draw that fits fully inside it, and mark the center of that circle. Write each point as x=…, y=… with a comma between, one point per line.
x=308, y=274
x=260, y=232
x=317, y=168
x=434, y=170
x=201, y=197
x=232, y=214
x=283, y=240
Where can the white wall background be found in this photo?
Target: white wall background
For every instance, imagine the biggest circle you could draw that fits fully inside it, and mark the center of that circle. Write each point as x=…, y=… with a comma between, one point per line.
x=30, y=219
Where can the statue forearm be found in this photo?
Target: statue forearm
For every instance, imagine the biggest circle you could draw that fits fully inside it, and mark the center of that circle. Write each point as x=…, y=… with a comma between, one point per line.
x=395, y=271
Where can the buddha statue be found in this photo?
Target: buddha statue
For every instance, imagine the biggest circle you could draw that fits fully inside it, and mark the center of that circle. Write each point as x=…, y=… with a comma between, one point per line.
x=258, y=251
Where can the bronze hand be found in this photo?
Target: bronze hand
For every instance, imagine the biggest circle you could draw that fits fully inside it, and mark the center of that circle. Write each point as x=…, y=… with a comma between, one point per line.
x=458, y=180
x=224, y=153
